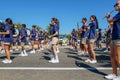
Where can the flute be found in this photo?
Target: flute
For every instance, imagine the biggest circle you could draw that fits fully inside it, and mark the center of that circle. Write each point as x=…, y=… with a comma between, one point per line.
x=109, y=13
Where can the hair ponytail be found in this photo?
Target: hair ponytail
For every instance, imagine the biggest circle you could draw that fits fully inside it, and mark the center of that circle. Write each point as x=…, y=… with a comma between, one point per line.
x=96, y=20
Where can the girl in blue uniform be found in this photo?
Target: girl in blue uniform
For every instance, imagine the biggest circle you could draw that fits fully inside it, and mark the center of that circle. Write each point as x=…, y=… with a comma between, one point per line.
x=108, y=38
x=75, y=40
x=92, y=37
x=115, y=43
x=8, y=39
x=23, y=35
x=41, y=39
x=84, y=35
x=33, y=38
x=99, y=39
x=54, y=35
x=72, y=38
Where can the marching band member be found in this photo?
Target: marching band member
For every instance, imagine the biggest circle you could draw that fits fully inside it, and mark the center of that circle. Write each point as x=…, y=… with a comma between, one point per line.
x=115, y=43
x=54, y=35
x=108, y=38
x=99, y=39
x=8, y=39
x=84, y=35
x=22, y=38
x=33, y=38
x=91, y=37
x=41, y=39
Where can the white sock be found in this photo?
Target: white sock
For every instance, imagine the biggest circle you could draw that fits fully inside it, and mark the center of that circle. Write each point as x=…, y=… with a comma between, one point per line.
x=33, y=50
x=24, y=51
x=56, y=58
x=57, y=49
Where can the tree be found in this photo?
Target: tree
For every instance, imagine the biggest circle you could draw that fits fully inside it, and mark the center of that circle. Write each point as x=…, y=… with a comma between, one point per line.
x=38, y=28
x=18, y=25
x=47, y=30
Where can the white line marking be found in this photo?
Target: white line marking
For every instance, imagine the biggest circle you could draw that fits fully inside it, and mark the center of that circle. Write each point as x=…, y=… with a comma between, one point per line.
x=41, y=68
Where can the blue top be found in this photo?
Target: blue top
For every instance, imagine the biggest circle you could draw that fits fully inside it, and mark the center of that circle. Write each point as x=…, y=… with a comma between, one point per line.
x=84, y=33
x=23, y=32
x=54, y=29
x=109, y=33
x=34, y=34
x=1, y=37
x=41, y=37
x=75, y=37
x=8, y=37
x=99, y=36
x=116, y=27
x=92, y=30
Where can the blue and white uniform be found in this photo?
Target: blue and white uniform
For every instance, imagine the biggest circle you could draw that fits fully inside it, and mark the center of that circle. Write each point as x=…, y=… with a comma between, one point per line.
x=8, y=38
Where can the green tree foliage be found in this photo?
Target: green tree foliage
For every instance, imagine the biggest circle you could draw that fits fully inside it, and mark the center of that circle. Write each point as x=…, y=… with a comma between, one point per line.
x=38, y=28
x=47, y=30
x=18, y=25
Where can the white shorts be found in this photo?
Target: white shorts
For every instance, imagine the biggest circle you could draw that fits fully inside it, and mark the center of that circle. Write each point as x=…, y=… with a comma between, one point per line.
x=54, y=40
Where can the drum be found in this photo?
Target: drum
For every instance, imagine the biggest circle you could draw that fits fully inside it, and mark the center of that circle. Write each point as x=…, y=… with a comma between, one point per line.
x=17, y=33
x=28, y=32
x=37, y=35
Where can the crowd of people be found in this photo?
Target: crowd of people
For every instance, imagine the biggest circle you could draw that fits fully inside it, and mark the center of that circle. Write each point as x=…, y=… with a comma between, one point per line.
x=88, y=39
x=9, y=36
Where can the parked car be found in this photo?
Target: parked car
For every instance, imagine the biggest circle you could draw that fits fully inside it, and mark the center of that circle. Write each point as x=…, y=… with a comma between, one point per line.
x=63, y=41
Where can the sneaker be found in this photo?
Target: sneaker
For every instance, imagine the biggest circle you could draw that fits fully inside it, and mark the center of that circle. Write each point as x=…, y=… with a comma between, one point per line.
x=82, y=52
x=55, y=61
x=116, y=78
x=32, y=52
x=42, y=48
x=110, y=76
x=72, y=48
x=11, y=50
x=39, y=50
x=25, y=53
x=58, y=51
x=106, y=50
x=6, y=61
x=21, y=54
x=93, y=61
x=79, y=54
x=52, y=60
x=16, y=49
x=85, y=54
x=2, y=51
x=88, y=60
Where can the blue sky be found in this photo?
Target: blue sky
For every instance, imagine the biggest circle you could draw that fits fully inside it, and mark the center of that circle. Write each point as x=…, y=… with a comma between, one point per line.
x=69, y=12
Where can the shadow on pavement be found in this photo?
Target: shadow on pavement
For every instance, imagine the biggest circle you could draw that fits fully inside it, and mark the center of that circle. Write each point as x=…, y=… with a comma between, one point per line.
x=90, y=68
x=3, y=57
x=46, y=57
x=75, y=57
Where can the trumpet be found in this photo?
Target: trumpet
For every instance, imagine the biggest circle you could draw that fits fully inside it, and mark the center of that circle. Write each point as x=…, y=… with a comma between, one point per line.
x=109, y=13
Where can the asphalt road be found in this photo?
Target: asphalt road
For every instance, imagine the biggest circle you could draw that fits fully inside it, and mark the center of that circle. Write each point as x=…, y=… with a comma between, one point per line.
x=71, y=66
